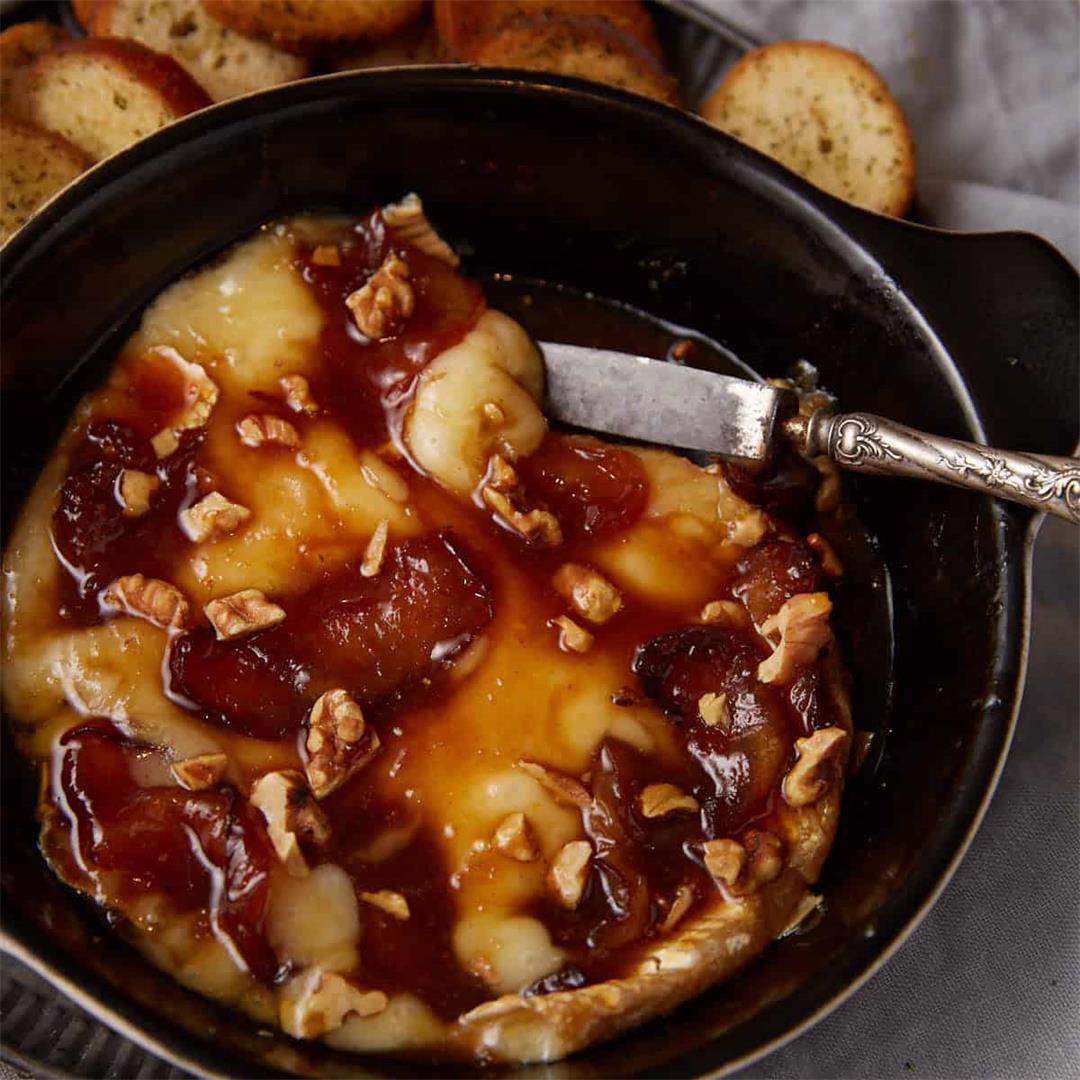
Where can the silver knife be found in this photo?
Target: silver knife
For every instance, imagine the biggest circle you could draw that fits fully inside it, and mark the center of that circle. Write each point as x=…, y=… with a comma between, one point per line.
x=660, y=402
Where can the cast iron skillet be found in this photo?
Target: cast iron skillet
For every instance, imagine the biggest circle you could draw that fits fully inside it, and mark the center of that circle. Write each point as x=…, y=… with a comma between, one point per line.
x=550, y=178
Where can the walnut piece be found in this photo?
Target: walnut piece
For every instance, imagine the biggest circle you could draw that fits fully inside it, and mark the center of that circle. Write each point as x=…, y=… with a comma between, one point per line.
x=213, y=515
x=572, y=638
x=566, y=791
x=830, y=561
x=375, y=551
x=393, y=903
x=134, y=491
x=242, y=613
x=569, y=871
x=385, y=301
x=764, y=858
x=261, y=429
x=297, y=391
x=818, y=764
x=316, y=1002
x=535, y=526
x=660, y=800
x=201, y=772
x=291, y=817
x=200, y=397
x=336, y=728
x=714, y=712
x=409, y=224
x=515, y=838
x=724, y=859
x=727, y=613
x=156, y=601
x=326, y=255
x=493, y=413
x=679, y=906
x=591, y=596
x=803, y=626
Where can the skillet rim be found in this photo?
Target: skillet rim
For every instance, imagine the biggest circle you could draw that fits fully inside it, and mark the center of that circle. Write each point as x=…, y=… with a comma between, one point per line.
x=31, y=244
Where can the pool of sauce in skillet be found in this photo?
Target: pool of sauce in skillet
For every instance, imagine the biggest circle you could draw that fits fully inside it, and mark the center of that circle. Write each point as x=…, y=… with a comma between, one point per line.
x=391, y=641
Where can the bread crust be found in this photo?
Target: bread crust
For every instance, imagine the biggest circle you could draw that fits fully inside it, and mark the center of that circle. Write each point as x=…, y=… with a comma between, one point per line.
x=850, y=137
x=460, y=25
x=586, y=47
x=20, y=45
x=222, y=61
x=301, y=25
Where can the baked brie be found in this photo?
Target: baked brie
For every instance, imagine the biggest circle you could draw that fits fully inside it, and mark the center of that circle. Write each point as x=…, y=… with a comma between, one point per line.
x=373, y=707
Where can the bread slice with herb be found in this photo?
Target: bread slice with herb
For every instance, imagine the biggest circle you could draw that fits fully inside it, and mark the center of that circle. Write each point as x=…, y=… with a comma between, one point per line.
x=20, y=45
x=223, y=62
x=587, y=47
x=34, y=166
x=301, y=25
x=460, y=25
x=827, y=115
x=103, y=94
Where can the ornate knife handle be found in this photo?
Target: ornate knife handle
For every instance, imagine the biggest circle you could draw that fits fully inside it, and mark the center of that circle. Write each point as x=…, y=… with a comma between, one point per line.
x=872, y=444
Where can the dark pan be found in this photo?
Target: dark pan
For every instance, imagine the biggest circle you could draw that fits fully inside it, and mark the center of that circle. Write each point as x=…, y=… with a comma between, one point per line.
x=557, y=180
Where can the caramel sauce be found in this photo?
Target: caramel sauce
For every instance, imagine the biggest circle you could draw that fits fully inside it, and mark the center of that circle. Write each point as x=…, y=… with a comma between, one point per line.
x=392, y=641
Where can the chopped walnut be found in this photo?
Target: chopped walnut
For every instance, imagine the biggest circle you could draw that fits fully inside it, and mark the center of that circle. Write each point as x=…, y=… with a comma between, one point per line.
x=375, y=551
x=501, y=474
x=201, y=772
x=540, y=526
x=393, y=903
x=714, y=712
x=297, y=391
x=727, y=613
x=764, y=857
x=156, y=601
x=592, y=596
x=242, y=613
x=803, y=626
x=409, y=225
x=336, y=728
x=660, y=800
x=679, y=906
x=326, y=255
x=493, y=413
x=291, y=817
x=569, y=871
x=830, y=561
x=724, y=859
x=572, y=638
x=165, y=442
x=316, y=1002
x=515, y=838
x=802, y=911
x=259, y=429
x=565, y=790
x=213, y=515
x=817, y=766
x=134, y=490
x=387, y=299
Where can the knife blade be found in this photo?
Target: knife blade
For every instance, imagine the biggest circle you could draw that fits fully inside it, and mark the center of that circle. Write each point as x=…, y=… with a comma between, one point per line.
x=660, y=402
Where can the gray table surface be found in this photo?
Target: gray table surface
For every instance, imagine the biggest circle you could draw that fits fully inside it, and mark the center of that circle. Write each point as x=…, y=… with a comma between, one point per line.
x=989, y=984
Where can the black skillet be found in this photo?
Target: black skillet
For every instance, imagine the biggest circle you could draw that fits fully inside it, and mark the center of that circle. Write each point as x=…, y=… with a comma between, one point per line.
x=571, y=184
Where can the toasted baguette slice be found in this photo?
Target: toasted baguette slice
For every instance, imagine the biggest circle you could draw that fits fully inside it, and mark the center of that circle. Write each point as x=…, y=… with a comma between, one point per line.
x=589, y=48
x=20, y=45
x=301, y=25
x=223, y=62
x=413, y=47
x=34, y=165
x=825, y=113
x=103, y=94
x=461, y=24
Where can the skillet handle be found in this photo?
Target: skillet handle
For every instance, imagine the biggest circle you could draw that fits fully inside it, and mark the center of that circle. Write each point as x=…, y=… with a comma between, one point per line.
x=867, y=443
